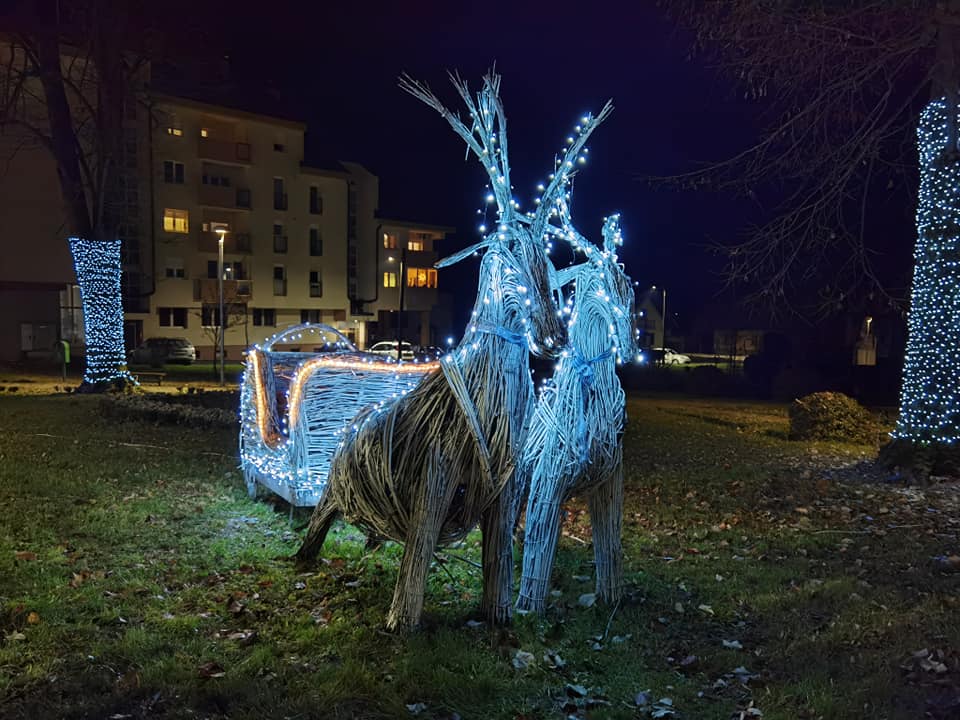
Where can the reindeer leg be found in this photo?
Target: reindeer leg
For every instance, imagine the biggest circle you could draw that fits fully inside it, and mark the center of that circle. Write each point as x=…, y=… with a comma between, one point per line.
x=426, y=521
x=496, y=524
x=539, y=546
x=606, y=517
x=323, y=516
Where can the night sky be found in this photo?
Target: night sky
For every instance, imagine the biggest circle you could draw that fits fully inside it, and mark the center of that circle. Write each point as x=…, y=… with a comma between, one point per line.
x=335, y=65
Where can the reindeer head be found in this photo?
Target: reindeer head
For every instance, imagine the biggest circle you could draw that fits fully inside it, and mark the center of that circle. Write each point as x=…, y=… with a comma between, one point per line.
x=601, y=309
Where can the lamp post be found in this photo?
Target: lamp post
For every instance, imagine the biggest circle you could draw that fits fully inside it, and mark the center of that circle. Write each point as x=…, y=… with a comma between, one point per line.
x=223, y=325
x=663, y=310
x=403, y=284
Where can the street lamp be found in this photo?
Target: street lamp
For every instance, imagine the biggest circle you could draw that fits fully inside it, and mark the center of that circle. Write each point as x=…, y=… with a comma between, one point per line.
x=221, y=231
x=663, y=308
x=403, y=284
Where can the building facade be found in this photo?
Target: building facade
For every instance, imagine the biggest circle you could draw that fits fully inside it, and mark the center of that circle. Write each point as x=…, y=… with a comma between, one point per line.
x=300, y=243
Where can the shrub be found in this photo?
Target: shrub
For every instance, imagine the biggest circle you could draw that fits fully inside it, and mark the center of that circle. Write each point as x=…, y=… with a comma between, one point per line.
x=154, y=410
x=831, y=416
x=793, y=382
x=708, y=380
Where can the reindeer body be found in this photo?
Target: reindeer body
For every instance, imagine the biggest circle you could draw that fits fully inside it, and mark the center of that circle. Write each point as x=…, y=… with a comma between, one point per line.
x=413, y=470
x=574, y=443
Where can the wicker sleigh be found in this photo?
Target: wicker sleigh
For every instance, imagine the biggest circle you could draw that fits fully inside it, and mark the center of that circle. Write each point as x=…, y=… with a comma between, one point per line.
x=295, y=406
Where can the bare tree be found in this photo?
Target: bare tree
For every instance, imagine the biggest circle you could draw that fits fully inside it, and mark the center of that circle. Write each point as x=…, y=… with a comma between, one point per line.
x=841, y=85
x=847, y=84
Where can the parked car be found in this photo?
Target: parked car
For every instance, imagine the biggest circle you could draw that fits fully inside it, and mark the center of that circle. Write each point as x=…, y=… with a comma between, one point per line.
x=388, y=349
x=157, y=351
x=429, y=353
x=671, y=357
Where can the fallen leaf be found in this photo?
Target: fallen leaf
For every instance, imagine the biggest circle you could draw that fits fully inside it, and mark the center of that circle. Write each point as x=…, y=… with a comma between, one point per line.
x=733, y=644
x=575, y=690
x=588, y=599
x=33, y=618
x=553, y=660
x=416, y=708
x=705, y=608
x=210, y=670
x=25, y=555
x=522, y=660
x=642, y=699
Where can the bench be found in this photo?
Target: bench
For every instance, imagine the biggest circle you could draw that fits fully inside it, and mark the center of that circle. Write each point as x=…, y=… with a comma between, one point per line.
x=158, y=376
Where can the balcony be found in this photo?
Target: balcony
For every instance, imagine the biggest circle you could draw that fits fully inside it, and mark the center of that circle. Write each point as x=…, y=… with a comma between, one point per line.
x=206, y=290
x=235, y=243
x=224, y=151
x=224, y=197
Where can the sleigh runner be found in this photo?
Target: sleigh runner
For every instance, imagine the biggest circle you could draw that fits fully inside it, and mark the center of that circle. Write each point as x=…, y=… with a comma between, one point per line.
x=297, y=406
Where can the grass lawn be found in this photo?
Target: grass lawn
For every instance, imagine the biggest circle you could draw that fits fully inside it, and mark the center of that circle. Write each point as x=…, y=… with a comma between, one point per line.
x=138, y=580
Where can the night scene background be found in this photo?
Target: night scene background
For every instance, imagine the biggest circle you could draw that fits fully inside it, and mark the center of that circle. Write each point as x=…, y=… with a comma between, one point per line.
x=336, y=67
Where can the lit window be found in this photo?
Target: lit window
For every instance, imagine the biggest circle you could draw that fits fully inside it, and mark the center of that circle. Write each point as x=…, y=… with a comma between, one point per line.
x=204, y=132
x=175, y=131
x=389, y=241
x=415, y=245
x=389, y=279
x=421, y=277
x=176, y=221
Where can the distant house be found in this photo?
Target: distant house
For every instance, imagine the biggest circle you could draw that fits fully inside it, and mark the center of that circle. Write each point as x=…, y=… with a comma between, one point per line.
x=649, y=321
x=737, y=342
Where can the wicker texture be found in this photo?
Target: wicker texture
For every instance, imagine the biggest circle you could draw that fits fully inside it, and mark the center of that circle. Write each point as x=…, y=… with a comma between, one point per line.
x=574, y=443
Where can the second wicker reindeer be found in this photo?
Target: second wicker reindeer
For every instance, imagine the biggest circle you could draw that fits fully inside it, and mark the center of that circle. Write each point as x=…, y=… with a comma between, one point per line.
x=574, y=443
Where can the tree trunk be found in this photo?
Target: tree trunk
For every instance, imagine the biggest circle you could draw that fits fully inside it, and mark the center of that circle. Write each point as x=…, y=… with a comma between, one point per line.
x=928, y=426
x=97, y=264
x=91, y=212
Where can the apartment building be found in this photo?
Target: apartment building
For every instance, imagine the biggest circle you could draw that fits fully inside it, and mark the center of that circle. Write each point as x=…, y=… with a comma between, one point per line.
x=300, y=243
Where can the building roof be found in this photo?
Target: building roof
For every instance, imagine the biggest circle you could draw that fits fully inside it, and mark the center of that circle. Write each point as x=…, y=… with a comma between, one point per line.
x=417, y=225
x=227, y=111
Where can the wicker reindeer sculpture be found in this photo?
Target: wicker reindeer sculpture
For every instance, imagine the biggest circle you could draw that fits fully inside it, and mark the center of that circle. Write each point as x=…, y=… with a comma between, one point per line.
x=425, y=468
x=574, y=442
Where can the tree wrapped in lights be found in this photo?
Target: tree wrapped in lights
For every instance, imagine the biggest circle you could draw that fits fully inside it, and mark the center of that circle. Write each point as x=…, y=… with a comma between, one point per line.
x=425, y=468
x=97, y=264
x=70, y=97
x=930, y=398
x=574, y=444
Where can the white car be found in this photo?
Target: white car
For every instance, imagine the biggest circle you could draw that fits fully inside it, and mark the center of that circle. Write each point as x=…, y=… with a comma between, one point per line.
x=159, y=350
x=388, y=348
x=671, y=357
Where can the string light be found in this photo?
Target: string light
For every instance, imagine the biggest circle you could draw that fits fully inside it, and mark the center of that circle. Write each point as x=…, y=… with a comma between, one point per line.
x=930, y=397
x=97, y=266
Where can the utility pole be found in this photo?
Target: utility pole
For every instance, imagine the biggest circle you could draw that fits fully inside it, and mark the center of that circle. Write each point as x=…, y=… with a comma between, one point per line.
x=223, y=325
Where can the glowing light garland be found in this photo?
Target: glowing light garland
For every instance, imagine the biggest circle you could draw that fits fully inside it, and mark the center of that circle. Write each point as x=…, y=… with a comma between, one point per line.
x=930, y=397
x=97, y=266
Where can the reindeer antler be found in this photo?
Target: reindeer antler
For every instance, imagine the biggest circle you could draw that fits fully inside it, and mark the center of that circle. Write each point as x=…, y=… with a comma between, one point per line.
x=488, y=128
x=555, y=193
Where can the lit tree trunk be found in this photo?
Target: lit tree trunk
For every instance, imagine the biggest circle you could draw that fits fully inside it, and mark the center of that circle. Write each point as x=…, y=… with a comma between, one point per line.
x=91, y=209
x=928, y=426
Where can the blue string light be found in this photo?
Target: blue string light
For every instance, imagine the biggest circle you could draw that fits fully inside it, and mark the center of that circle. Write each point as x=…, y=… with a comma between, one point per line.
x=930, y=397
x=97, y=266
